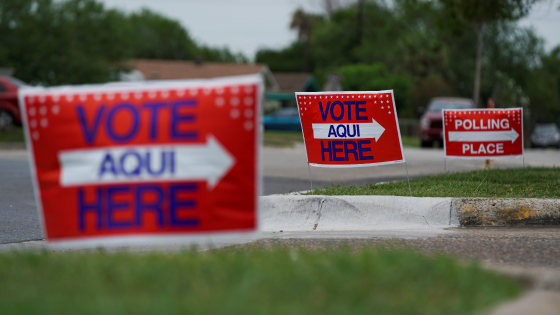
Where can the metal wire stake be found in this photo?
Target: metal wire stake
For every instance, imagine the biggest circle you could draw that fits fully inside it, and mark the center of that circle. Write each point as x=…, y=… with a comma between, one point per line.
x=524, y=181
x=408, y=179
x=445, y=167
x=309, y=169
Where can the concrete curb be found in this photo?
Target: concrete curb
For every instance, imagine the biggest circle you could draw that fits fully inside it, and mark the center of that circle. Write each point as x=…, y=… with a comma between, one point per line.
x=361, y=213
x=506, y=212
x=354, y=213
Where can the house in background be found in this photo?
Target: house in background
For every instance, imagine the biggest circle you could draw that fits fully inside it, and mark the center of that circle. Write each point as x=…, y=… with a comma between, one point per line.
x=289, y=83
x=280, y=87
x=153, y=69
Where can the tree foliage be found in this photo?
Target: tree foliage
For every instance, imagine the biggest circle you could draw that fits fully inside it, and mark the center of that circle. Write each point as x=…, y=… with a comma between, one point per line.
x=479, y=12
x=288, y=59
x=80, y=41
x=433, y=44
x=56, y=43
x=158, y=37
x=376, y=77
x=543, y=88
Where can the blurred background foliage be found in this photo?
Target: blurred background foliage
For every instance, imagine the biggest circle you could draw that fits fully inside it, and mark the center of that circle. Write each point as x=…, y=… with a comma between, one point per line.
x=423, y=49
x=376, y=77
x=419, y=48
x=80, y=41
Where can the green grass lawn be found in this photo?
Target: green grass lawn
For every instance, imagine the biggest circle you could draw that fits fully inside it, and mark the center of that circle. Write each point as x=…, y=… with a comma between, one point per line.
x=281, y=138
x=14, y=134
x=247, y=281
x=288, y=138
x=507, y=183
x=411, y=142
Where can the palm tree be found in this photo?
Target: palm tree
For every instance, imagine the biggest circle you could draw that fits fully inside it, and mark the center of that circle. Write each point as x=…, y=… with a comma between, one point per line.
x=303, y=23
x=480, y=13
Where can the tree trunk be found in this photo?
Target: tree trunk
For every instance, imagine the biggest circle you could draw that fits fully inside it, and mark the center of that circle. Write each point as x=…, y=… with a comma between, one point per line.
x=479, y=42
x=329, y=7
x=307, y=47
x=359, y=22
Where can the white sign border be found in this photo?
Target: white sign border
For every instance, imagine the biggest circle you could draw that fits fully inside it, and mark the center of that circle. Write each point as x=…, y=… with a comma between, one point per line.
x=193, y=238
x=485, y=157
x=352, y=92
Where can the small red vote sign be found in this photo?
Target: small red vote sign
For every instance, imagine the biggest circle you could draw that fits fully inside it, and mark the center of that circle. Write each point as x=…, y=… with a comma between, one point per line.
x=350, y=129
x=146, y=161
x=483, y=133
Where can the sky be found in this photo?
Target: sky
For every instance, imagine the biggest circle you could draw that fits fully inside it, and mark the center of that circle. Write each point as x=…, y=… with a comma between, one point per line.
x=247, y=25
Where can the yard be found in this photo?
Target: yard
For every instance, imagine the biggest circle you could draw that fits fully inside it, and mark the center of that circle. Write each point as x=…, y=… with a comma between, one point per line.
x=248, y=281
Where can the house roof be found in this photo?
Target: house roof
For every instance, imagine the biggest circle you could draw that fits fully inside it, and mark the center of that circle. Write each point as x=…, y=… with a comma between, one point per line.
x=178, y=69
x=291, y=82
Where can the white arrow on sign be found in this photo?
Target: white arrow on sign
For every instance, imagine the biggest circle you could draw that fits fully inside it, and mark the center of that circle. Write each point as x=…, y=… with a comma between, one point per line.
x=343, y=131
x=483, y=136
x=208, y=161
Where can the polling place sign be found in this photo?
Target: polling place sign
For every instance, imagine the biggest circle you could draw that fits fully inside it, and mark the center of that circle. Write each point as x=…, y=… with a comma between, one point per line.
x=483, y=133
x=350, y=129
x=145, y=161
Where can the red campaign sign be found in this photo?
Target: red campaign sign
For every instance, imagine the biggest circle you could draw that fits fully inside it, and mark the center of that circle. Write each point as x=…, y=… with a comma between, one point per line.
x=114, y=163
x=483, y=133
x=350, y=129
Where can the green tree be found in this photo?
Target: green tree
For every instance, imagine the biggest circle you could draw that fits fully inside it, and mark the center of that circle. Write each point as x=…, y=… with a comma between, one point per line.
x=375, y=77
x=543, y=89
x=158, y=37
x=288, y=59
x=80, y=41
x=434, y=45
x=402, y=37
x=303, y=23
x=223, y=54
x=480, y=13
x=76, y=41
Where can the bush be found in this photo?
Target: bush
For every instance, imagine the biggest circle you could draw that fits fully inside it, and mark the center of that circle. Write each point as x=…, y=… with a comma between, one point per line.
x=375, y=77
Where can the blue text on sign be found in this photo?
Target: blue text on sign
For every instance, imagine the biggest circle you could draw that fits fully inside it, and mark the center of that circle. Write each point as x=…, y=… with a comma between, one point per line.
x=342, y=150
x=343, y=131
x=133, y=163
x=167, y=206
x=330, y=110
x=107, y=118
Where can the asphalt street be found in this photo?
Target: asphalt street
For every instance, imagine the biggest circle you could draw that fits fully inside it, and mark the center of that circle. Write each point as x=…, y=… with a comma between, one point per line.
x=19, y=220
x=285, y=170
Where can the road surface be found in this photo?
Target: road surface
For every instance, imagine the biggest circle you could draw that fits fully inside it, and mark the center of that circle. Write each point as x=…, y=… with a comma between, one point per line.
x=285, y=169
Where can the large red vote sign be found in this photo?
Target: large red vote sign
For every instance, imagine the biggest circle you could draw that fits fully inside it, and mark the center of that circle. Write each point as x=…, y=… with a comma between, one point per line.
x=159, y=160
x=350, y=129
x=483, y=133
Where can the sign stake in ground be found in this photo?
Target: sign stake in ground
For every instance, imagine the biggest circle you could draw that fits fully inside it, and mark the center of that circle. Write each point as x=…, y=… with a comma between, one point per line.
x=483, y=133
x=310, y=181
x=145, y=162
x=524, y=181
x=408, y=179
x=350, y=129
